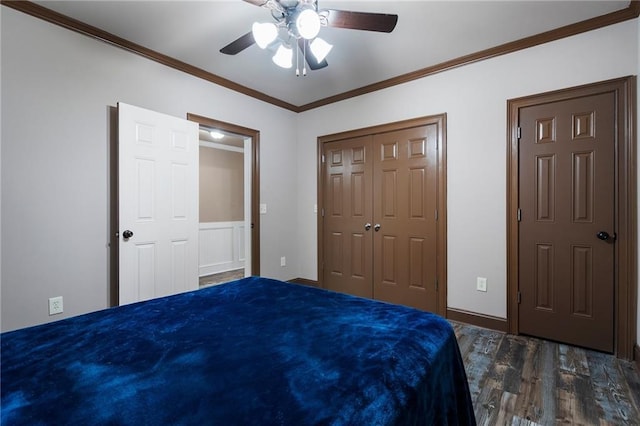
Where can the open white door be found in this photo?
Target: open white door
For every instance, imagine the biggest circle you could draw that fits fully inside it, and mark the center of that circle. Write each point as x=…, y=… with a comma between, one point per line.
x=158, y=204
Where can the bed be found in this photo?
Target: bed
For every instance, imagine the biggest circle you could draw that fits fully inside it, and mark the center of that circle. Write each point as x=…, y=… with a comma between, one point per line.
x=250, y=352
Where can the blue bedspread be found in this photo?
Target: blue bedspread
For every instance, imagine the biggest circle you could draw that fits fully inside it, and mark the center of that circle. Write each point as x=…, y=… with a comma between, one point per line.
x=251, y=352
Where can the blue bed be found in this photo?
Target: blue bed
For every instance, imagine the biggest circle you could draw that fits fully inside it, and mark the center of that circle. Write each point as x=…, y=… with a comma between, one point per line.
x=251, y=352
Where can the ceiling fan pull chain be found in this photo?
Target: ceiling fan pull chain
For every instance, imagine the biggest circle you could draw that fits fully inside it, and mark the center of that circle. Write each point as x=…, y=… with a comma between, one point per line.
x=304, y=62
x=297, y=62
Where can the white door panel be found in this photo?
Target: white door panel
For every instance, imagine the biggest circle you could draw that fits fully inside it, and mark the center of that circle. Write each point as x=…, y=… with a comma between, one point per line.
x=158, y=202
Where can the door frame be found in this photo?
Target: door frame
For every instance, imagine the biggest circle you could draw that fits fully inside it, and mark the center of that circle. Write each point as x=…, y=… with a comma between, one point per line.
x=255, y=178
x=625, y=216
x=441, y=233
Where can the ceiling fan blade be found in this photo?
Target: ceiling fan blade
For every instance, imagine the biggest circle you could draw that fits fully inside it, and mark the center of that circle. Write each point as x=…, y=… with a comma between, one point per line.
x=257, y=2
x=381, y=22
x=308, y=56
x=238, y=45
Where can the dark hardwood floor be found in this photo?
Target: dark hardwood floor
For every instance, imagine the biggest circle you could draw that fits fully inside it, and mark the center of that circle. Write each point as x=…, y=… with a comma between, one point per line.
x=518, y=380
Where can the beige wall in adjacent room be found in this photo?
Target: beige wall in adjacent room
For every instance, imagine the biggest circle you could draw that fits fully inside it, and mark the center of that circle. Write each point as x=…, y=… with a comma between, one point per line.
x=221, y=185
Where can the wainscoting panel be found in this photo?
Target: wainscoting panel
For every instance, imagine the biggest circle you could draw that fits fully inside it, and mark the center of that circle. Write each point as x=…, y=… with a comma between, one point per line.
x=222, y=247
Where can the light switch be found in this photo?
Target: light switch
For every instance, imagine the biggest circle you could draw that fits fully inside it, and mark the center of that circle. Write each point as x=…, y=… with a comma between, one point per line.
x=481, y=284
x=263, y=209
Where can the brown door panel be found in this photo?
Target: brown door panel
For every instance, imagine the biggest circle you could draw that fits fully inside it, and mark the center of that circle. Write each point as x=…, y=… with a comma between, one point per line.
x=405, y=178
x=348, y=209
x=567, y=175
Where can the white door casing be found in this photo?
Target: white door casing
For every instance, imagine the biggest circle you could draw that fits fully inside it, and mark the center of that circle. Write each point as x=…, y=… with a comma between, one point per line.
x=158, y=203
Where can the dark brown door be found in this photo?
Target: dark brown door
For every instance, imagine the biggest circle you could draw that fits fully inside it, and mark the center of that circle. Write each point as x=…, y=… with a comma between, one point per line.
x=405, y=249
x=348, y=210
x=567, y=229
x=380, y=198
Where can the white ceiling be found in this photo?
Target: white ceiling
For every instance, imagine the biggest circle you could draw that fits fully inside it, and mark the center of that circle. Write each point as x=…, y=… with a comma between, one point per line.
x=428, y=33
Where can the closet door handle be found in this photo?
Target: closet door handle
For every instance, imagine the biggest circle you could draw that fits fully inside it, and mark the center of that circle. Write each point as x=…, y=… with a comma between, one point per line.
x=367, y=226
x=376, y=227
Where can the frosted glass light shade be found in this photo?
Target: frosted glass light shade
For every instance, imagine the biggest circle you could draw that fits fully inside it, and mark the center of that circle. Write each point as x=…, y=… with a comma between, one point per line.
x=264, y=34
x=320, y=48
x=283, y=57
x=308, y=24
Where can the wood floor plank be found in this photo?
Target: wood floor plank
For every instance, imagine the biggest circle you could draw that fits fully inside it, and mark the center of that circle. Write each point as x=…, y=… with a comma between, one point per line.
x=573, y=360
x=488, y=404
x=548, y=378
x=479, y=355
x=632, y=380
x=517, y=380
x=529, y=404
x=609, y=394
x=506, y=409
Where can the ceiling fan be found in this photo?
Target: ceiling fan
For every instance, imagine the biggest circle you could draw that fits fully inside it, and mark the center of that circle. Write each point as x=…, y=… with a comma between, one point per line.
x=298, y=22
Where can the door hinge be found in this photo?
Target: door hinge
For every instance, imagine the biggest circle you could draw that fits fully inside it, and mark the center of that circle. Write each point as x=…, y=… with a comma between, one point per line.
x=519, y=298
x=519, y=215
x=436, y=215
x=519, y=133
x=322, y=211
x=323, y=158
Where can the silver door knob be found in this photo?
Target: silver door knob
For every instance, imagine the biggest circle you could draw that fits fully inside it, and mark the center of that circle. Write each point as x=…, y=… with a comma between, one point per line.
x=376, y=227
x=367, y=226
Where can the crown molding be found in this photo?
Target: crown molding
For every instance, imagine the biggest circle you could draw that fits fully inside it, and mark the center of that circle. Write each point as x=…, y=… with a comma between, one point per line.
x=64, y=21
x=630, y=12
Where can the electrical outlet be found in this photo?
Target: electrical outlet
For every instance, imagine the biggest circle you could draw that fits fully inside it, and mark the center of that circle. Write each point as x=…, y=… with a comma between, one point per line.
x=481, y=284
x=55, y=305
x=283, y=261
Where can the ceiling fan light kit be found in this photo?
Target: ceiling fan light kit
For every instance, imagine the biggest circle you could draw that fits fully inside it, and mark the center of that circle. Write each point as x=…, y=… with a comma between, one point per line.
x=264, y=34
x=283, y=57
x=299, y=22
x=308, y=24
x=320, y=48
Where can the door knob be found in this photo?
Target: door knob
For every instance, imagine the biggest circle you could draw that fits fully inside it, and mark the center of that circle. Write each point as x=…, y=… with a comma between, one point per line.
x=127, y=234
x=604, y=236
x=367, y=226
x=376, y=227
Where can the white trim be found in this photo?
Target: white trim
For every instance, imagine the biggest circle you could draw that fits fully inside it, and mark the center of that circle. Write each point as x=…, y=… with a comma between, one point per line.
x=221, y=247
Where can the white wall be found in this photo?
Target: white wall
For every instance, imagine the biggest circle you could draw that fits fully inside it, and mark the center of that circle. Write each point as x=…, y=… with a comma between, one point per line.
x=57, y=87
x=475, y=100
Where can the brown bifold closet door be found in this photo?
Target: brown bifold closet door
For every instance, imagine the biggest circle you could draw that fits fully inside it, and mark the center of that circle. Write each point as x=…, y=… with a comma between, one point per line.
x=380, y=225
x=567, y=229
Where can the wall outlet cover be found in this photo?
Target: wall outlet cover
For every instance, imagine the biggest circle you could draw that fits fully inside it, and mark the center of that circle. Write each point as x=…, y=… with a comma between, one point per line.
x=481, y=284
x=55, y=305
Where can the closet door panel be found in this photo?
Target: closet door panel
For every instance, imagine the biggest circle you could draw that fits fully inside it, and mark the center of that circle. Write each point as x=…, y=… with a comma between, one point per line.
x=404, y=207
x=347, y=193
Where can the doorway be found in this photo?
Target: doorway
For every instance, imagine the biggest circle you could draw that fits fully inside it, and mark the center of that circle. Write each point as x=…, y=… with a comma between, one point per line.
x=229, y=188
x=571, y=216
x=382, y=222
